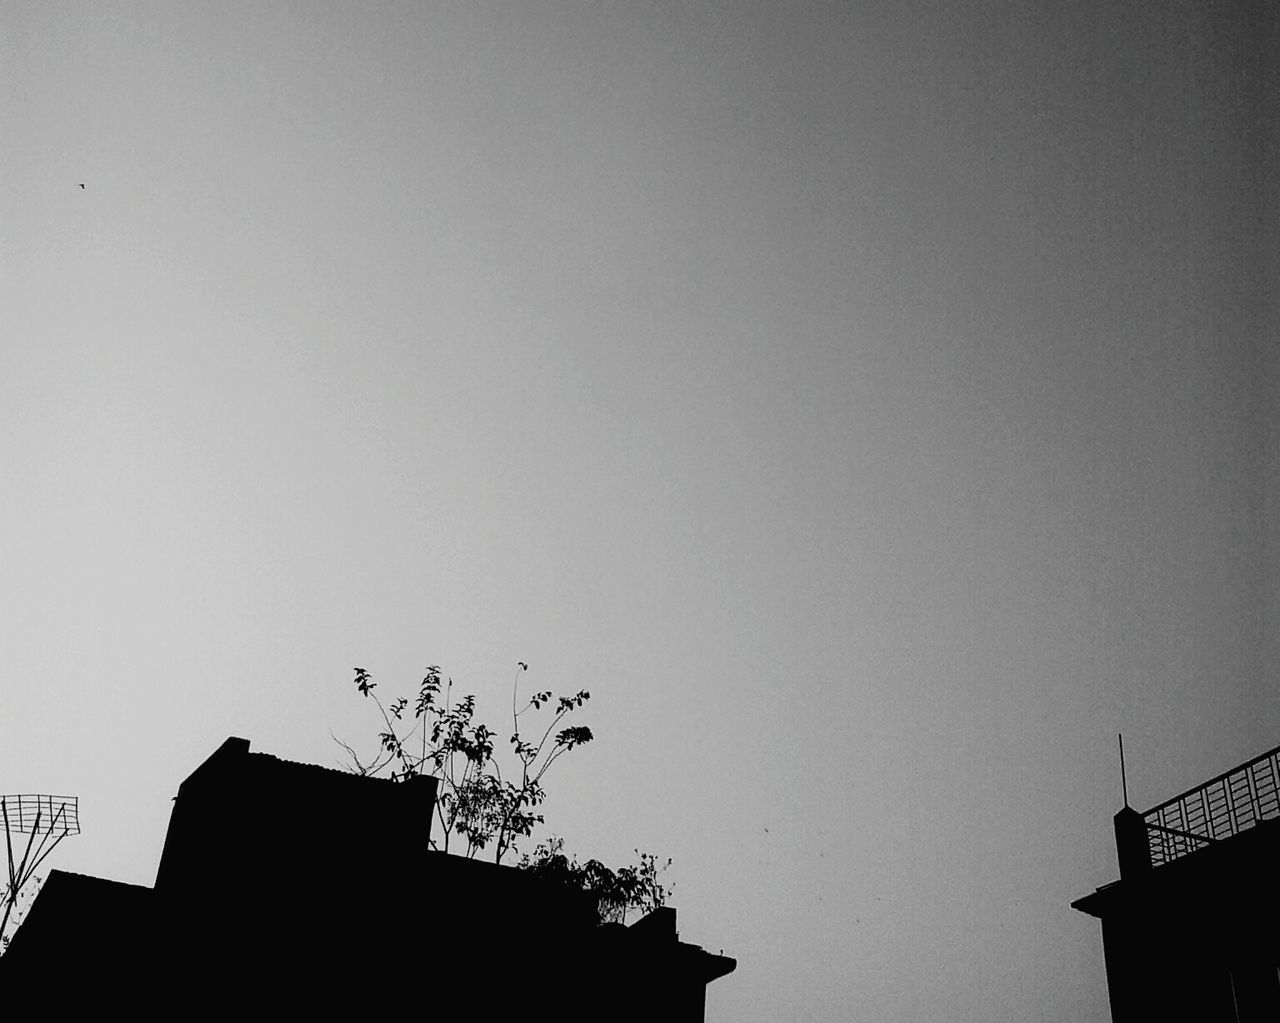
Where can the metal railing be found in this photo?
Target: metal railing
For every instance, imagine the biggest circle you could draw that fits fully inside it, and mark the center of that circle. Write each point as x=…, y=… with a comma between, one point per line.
x=1216, y=810
x=25, y=813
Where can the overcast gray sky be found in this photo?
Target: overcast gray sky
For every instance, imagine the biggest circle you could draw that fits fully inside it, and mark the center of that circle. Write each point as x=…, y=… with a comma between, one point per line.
x=873, y=404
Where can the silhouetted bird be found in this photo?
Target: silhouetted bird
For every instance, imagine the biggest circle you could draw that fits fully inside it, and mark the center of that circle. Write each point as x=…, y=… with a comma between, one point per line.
x=82, y=184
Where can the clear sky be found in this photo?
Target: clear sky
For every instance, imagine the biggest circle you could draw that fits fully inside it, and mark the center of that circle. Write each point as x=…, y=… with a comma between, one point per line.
x=873, y=404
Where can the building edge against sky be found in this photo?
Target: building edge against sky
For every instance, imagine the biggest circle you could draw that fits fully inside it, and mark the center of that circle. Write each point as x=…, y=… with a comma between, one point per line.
x=294, y=887
x=1188, y=930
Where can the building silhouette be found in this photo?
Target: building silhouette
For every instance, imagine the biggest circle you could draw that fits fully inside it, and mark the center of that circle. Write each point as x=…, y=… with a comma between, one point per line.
x=278, y=892
x=1189, y=929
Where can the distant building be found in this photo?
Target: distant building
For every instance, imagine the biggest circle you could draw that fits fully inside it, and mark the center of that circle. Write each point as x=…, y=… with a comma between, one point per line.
x=1189, y=931
x=278, y=892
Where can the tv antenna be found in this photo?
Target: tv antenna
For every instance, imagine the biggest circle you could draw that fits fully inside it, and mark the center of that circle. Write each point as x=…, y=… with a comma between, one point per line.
x=50, y=817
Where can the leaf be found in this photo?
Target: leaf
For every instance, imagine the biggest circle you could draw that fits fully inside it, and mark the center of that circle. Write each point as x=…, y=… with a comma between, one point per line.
x=576, y=736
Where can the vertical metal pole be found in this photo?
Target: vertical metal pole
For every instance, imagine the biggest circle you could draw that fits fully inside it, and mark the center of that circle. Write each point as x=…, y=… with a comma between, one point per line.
x=1124, y=785
x=11, y=891
x=8, y=841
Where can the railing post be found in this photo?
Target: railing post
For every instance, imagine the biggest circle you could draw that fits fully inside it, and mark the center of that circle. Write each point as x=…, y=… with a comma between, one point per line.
x=1132, y=847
